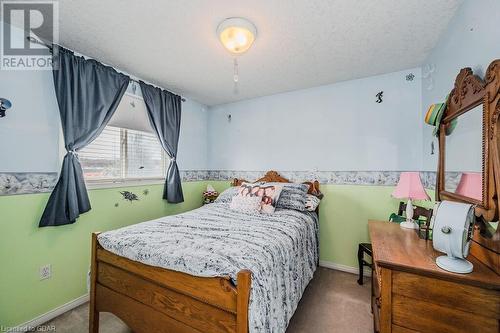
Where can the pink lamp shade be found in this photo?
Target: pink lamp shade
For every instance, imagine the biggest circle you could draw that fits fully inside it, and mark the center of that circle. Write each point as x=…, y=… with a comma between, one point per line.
x=471, y=185
x=410, y=187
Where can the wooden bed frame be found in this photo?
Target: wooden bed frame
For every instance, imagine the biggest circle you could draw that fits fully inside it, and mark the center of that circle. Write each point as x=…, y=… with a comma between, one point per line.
x=153, y=299
x=274, y=177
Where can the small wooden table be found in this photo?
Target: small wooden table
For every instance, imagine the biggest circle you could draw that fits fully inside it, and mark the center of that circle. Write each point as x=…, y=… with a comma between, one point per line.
x=410, y=293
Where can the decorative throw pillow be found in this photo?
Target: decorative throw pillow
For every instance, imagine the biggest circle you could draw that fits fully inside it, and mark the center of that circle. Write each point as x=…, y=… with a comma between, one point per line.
x=269, y=194
x=227, y=195
x=293, y=196
x=246, y=204
x=312, y=202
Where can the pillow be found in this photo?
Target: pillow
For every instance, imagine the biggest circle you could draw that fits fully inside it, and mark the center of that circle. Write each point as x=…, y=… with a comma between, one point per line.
x=293, y=196
x=269, y=194
x=246, y=204
x=227, y=195
x=312, y=202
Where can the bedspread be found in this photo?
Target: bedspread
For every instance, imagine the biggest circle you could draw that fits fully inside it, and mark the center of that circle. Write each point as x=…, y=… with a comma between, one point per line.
x=280, y=249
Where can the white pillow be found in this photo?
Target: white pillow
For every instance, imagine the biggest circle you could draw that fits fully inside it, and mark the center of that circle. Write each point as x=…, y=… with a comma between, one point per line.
x=246, y=204
x=269, y=194
x=312, y=202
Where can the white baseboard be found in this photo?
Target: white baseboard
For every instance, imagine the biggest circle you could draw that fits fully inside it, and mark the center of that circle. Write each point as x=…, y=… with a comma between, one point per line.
x=42, y=319
x=344, y=268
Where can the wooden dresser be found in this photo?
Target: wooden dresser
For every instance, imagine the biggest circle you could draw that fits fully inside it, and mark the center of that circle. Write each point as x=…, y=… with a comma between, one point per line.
x=411, y=294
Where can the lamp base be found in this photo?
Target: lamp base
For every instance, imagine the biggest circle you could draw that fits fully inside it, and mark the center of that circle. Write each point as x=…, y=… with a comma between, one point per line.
x=408, y=225
x=455, y=265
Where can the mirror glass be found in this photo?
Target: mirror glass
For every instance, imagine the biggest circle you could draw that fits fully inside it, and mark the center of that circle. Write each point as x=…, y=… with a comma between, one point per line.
x=464, y=154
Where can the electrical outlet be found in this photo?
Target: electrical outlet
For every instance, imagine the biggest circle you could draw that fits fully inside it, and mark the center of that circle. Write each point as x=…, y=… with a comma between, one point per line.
x=45, y=272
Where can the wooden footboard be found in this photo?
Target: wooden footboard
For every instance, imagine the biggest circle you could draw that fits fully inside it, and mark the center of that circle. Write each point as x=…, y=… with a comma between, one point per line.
x=153, y=299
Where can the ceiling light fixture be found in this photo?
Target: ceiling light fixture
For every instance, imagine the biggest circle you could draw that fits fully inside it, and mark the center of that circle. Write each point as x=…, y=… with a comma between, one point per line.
x=237, y=35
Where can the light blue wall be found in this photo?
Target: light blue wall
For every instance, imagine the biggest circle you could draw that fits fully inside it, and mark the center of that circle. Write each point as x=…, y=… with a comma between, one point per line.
x=193, y=147
x=29, y=134
x=332, y=127
x=471, y=40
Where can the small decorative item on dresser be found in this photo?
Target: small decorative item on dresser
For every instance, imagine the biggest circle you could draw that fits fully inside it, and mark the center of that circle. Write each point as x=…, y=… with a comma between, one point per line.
x=210, y=195
x=410, y=187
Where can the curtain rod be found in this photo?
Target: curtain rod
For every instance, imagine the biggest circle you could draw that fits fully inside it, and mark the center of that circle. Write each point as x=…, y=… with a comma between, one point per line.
x=39, y=42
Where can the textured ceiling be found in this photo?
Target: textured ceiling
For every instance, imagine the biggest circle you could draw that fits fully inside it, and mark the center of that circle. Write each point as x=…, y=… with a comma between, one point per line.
x=300, y=43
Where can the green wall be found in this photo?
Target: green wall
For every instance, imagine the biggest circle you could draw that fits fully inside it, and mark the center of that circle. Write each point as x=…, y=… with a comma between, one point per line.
x=344, y=214
x=24, y=247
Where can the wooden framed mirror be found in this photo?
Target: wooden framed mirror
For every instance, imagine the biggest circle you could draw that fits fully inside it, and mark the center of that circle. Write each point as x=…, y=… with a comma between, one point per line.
x=469, y=155
x=463, y=149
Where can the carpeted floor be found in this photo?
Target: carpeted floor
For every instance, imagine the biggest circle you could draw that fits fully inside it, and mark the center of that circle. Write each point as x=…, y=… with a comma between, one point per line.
x=333, y=302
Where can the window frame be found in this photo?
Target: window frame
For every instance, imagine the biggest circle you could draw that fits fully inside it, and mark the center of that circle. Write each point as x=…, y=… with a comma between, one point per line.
x=123, y=181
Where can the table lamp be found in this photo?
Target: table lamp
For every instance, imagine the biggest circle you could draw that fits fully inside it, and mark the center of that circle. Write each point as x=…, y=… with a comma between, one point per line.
x=410, y=187
x=471, y=185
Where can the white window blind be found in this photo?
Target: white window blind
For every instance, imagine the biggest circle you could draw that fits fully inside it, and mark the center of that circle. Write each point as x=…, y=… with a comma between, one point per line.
x=145, y=157
x=101, y=159
x=120, y=154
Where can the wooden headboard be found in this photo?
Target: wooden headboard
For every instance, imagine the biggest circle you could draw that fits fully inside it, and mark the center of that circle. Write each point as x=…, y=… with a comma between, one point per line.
x=274, y=177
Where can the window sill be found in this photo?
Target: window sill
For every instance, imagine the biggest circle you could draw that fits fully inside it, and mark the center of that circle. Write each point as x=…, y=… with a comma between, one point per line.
x=103, y=184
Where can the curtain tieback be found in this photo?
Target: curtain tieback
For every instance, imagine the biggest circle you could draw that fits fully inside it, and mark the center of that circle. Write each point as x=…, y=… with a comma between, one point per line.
x=172, y=159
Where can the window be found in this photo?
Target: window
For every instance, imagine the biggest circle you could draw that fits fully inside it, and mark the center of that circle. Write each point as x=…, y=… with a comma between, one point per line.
x=120, y=154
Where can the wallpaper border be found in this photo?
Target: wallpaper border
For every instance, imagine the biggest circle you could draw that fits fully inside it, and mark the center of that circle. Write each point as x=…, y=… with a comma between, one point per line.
x=373, y=178
x=27, y=182
x=40, y=182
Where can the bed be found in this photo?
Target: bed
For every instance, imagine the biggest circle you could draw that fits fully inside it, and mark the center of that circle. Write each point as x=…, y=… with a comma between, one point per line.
x=208, y=270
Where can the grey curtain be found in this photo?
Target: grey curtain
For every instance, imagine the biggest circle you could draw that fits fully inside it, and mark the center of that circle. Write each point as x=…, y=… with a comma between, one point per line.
x=88, y=94
x=164, y=112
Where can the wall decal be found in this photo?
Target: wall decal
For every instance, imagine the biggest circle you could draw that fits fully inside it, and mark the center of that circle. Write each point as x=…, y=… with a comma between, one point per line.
x=117, y=204
x=127, y=195
x=379, y=97
x=410, y=77
x=145, y=192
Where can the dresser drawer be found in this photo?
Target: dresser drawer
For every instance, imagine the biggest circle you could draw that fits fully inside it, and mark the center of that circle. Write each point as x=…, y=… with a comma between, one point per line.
x=484, y=302
x=426, y=317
